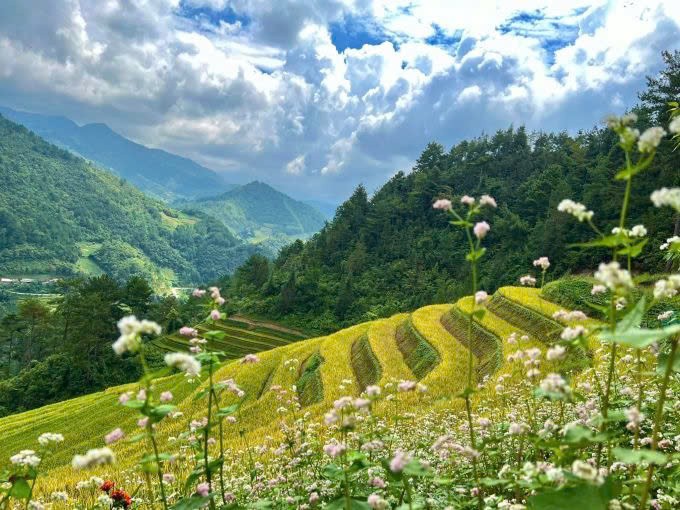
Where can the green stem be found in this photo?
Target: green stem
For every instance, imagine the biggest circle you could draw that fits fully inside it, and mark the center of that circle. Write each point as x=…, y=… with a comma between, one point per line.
x=206, y=436
x=658, y=420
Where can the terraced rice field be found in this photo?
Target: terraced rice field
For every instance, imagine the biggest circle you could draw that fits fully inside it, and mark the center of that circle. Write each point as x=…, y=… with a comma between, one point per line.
x=237, y=337
x=429, y=345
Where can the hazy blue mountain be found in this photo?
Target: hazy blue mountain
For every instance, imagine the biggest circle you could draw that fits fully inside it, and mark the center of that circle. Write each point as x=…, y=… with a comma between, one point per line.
x=154, y=171
x=257, y=213
x=326, y=208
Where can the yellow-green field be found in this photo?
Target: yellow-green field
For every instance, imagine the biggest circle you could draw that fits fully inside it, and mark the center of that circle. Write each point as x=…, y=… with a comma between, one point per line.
x=333, y=366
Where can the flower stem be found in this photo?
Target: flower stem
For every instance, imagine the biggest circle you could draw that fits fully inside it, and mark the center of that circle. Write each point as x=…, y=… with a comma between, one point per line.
x=658, y=420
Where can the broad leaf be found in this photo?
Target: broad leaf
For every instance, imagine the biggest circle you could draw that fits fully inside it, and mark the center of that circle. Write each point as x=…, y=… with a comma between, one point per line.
x=635, y=456
x=192, y=503
x=585, y=496
x=638, y=337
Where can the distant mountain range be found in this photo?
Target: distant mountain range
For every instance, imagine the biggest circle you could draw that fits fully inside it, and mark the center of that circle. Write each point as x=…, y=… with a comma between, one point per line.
x=154, y=171
x=257, y=213
x=61, y=215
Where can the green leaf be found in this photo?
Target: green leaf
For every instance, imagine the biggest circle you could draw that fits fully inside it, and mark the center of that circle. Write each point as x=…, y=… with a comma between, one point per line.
x=192, y=503
x=585, y=496
x=633, y=250
x=663, y=361
x=627, y=173
x=134, y=404
x=214, y=334
x=479, y=314
x=159, y=412
x=332, y=472
x=632, y=319
x=636, y=456
x=416, y=468
x=610, y=241
x=226, y=411
x=339, y=504
x=640, y=338
x=475, y=254
x=20, y=489
x=199, y=395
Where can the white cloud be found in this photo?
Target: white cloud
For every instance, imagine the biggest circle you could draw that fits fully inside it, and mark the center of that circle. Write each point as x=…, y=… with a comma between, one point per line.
x=262, y=91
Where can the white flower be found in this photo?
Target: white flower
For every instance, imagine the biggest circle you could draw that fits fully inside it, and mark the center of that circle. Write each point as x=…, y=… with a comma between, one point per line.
x=59, y=496
x=638, y=231
x=556, y=352
x=664, y=316
x=554, y=383
x=487, y=200
x=569, y=333
x=25, y=458
x=651, y=138
x=584, y=470
x=670, y=241
x=613, y=277
x=667, y=197
x=467, y=200
x=527, y=280
x=130, y=331
x=184, y=362
x=598, y=289
x=481, y=297
x=577, y=210
x=481, y=229
x=542, y=262
x=667, y=288
x=376, y=502
x=442, y=204
x=113, y=436
x=674, y=126
x=94, y=457
x=50, y=437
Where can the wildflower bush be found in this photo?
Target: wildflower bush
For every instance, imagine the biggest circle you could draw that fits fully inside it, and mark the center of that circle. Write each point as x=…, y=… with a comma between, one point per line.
x=538, y=432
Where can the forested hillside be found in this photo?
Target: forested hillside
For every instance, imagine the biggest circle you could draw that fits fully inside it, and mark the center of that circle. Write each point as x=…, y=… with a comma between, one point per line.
x=154, y=171
x=257, y=213
x=390, y=252
x=60, y=215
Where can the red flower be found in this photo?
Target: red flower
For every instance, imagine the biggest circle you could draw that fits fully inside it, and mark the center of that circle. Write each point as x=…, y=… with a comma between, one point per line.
x=107, y=486
x=121, y=498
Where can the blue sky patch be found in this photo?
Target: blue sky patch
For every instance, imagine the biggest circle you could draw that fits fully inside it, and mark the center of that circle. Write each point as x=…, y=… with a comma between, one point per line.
x=213, y=16
x=353, y=33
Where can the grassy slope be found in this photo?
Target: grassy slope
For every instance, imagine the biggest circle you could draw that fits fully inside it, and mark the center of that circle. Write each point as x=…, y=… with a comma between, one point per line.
x=85, y=420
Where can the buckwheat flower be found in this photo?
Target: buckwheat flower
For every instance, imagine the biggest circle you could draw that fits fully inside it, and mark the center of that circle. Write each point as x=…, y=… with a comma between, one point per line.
x=481, y=297
x=113, y=436
x=481, y=229
x=59, y=496
x=527, y=280
x=571, y=333
x=49, y=438
x=36, y=505
x=598, y=289
x=487, y=200
x=664, y=316
x=651, y=138
x=373, y=390
x=334, y=449
x=584, y=471
x=542, y=262
x=168, y=477
x=203, y=489
x=670, y=241
x=399, y=461
x=377, y=482
x=533, y=373
x=667, y=197
x=674, y=126
x=188, y=332
x=25, y=458
x=613, y=277
x=516, y=429
x=555, y=353
x=249, y=359
x=143, y=422
x=198, y=293
x=166, y=397
x=554, y=383
x=184, y=362
x=467, y=200
x=638, y=231
x=94, y=457
x=578, y=211
x=376, y=502
x=141, y=394
x=314, y=498
x=667, y=288
x=614, y=122
x=404, y=386
x=442, y=204
x=361, y=403
x=124, y=397
x=421, y=388
x=635, y=418
x=215, y=315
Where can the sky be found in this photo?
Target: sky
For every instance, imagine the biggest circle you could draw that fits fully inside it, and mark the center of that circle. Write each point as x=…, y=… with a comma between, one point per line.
x=317, y=96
